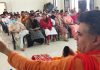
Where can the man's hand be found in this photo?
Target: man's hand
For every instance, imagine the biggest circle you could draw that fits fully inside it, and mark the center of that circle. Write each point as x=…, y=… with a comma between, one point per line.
x=3, y=48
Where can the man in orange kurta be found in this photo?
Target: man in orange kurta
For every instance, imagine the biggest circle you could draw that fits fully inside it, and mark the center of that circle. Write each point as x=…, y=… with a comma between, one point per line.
x=88, y=42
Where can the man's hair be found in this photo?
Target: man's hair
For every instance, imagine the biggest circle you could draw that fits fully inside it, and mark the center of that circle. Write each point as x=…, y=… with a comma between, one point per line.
x=66, y=51
x=92, y=19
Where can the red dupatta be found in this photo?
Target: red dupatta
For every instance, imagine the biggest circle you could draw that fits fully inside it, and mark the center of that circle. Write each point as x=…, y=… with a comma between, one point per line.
x=89, y=62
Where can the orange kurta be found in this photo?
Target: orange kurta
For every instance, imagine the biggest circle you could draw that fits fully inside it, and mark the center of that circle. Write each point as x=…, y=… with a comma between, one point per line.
x=22, y=63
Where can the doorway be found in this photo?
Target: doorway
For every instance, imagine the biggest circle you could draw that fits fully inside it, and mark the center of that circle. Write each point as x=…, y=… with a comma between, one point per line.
x=2, y=7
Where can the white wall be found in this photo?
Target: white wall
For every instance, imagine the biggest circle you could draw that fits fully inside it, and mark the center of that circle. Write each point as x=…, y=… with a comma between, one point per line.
x=60, y=4
x=49, y=1
x=27, y=5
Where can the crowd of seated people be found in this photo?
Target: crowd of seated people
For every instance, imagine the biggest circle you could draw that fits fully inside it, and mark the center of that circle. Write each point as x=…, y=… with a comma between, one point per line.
x=40, y=27
x=88, y=45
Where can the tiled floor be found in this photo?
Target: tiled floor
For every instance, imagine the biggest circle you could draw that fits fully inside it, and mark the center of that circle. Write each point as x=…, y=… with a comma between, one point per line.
x=54, y=49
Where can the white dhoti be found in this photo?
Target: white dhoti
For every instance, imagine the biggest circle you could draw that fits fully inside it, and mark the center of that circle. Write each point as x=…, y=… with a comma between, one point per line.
x=21, y=36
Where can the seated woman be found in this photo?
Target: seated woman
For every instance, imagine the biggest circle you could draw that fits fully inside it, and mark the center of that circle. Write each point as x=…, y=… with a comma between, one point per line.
x=74, y=29
x=62, y=31
x=46, y=24
x=34, y=29
x=67, y=19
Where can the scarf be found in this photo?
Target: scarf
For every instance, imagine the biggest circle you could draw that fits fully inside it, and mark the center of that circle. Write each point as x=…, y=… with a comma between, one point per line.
x=89, y=62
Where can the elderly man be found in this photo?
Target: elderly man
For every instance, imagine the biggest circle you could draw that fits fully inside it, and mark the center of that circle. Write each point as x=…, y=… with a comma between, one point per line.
x=88, y=42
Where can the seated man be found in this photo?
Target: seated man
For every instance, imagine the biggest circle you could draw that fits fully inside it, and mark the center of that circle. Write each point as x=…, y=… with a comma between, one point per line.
x=19, y=31
x=88, y=42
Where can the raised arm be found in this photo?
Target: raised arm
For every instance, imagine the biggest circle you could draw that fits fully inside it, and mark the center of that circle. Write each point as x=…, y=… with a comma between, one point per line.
x=21, y=63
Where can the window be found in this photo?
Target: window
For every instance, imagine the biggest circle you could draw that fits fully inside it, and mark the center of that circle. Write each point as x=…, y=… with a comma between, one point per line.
x=82, y=5
x=66, y=4
x=55, y=4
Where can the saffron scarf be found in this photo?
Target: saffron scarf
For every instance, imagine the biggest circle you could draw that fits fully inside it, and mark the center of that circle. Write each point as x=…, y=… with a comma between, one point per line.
x=89, y=62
